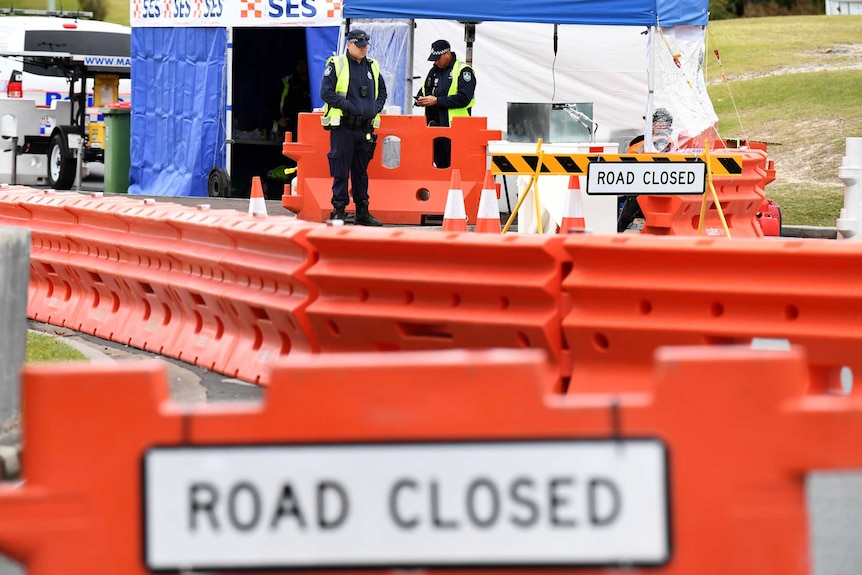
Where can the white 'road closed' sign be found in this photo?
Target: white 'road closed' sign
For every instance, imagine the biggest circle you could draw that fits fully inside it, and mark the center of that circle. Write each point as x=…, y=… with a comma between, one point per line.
x=409, y=505
x=646, y=178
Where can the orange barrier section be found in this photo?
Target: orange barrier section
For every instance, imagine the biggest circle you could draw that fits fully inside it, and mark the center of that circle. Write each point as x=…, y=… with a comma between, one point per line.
x=268, y=309
x=631, y=294
x=399, y=290
x=658, y=482
x=63, y=295
x=740, y=198
x=415, y=191
x=220, y=289
x=153, y=303
x=107, y=302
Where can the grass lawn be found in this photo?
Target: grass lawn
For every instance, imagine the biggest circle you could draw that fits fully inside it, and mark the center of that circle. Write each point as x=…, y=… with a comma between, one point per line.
x=42, y=348
x=793, y=82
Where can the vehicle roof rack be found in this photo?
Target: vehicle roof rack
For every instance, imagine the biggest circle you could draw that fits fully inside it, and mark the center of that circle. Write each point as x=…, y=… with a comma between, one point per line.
x=56, y=13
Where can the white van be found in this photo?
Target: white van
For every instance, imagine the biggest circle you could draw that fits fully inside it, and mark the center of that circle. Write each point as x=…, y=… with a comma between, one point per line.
x=68, y=68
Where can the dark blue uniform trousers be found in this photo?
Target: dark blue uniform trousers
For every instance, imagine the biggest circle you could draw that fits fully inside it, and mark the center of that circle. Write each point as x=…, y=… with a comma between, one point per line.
x=350, y=152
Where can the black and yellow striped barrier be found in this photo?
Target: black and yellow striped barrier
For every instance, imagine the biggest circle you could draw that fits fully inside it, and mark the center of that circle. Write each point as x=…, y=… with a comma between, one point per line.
x=510, y=164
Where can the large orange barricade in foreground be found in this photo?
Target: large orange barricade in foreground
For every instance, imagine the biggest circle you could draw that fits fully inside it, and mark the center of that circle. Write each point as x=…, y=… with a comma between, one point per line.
x=414, y=192
x=448, y=462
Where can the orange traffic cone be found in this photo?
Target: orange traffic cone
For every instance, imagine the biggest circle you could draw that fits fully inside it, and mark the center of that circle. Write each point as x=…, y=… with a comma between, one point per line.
x=256, y=203
x=573, y=209
x=488, y=217
x=455, y=216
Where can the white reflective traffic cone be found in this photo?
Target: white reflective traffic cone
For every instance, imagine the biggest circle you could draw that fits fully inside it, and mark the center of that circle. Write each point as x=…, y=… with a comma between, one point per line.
x=488, y=216
x=256, y=203
x=573, y=209
x=455, y=216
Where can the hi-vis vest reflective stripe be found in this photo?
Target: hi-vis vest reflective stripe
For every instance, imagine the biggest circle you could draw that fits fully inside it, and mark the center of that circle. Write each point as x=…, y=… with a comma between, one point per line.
x=332, y=116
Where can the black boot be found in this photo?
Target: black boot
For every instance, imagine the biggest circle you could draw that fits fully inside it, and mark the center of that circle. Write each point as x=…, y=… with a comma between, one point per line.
x=338, y=212
x=363, y=218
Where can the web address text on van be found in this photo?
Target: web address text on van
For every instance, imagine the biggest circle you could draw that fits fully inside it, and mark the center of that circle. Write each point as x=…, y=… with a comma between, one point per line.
x=108, y=61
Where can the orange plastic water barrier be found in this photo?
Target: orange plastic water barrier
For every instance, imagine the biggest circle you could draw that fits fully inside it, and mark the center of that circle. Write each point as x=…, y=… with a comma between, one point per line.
x=397, y=290
x=412, y=192
x=233, y=292
x=655, y=482
x=62, y=295
x=631, y=294
x=268, y=306
x=220, y=289
x=739, y=198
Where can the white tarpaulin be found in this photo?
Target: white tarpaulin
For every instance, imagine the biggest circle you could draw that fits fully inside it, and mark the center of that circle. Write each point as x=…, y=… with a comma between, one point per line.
x=515, y=62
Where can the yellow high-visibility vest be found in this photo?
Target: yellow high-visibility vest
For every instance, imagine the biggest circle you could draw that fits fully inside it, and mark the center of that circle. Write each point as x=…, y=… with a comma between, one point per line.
x=332, y=116
x=453, y=89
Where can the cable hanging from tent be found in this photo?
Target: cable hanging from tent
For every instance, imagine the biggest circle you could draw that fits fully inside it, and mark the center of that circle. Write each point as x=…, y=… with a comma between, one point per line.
x=727, y=84
x=554, y=66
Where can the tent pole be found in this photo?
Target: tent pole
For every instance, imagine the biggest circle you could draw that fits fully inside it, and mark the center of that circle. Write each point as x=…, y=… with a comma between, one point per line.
x=228, y=126
x=648, y=147
x=469, y=38
x=411, y=89
x=343, y=29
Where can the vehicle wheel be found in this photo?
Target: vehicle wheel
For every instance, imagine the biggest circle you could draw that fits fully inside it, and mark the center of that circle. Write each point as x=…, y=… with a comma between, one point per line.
x=218, y=183
x=61, y=170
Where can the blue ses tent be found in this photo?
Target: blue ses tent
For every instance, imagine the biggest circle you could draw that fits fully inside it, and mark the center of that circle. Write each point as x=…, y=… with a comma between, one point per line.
x=200, y=81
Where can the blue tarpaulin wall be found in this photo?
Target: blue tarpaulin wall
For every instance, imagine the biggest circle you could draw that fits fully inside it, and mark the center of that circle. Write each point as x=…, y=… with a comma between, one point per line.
x=588, y=12
x=321, y=43
x=179, y=88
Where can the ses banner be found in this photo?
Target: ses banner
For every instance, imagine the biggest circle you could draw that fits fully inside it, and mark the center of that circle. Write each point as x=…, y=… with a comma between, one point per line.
x=235, y=13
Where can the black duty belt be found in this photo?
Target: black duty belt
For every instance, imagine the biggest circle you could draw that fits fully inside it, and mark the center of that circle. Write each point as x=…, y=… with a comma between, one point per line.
x=355, y=122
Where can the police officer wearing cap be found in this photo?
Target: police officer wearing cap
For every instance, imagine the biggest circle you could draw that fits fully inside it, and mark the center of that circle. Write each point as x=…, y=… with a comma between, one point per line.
x=448, y=91
x=354, y=93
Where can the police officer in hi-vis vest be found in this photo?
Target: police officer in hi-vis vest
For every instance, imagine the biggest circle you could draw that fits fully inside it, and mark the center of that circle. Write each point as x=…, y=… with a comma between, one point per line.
x=354, y=94
x=448, y=92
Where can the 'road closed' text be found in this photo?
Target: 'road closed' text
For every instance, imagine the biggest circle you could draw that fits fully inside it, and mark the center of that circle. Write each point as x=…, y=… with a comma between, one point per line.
x=411, y=503
x=647, y=178
x=546, y=503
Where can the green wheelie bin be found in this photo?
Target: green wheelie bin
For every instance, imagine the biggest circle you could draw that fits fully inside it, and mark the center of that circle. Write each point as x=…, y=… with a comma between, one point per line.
x=118, y=119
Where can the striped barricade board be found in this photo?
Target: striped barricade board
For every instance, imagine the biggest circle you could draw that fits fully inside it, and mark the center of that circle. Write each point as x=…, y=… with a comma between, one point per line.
x=652, y=166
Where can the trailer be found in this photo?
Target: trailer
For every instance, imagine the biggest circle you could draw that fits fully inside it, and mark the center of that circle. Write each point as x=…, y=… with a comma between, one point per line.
x=57, y=132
